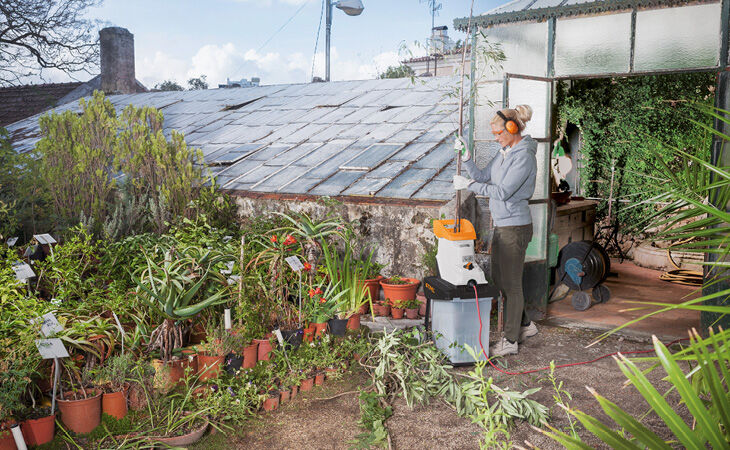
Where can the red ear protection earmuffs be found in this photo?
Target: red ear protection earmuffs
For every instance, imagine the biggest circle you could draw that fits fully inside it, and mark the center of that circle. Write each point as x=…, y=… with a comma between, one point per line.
x=509, y=124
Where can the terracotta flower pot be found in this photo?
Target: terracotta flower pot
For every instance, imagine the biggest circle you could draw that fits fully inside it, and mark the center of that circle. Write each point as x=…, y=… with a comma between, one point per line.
x=209, y=366
x=307, y=384
x=319, y=329
x=192, y=356
x=309, y=334
x=114, y=404
x=398, y=292
x=412, y=313
x=373, y=287
x=81, y=416
x=38, y=431
x=183, y=440
x=6, y=440
x=197, y=334
x=294, y=391
x=353, y=323
x=319, y=379
x=265, y=347
x=397, y=313
x=285, y=396
x=422, y=308
x=169, y=374
x=250, y=356
x=381, y=310
x=271, y=403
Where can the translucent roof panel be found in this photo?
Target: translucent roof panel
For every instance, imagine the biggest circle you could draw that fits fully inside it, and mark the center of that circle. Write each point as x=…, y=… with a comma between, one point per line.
x=606, y=49
x=678, y=38
x=524, y=46
x=338, y=138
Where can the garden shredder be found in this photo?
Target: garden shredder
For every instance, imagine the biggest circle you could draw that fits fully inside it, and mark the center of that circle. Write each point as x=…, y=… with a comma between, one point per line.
x=458, y=293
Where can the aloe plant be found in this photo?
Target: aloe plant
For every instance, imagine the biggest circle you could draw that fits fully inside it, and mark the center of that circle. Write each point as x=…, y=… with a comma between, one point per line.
x=349, y=276
x=182, y=286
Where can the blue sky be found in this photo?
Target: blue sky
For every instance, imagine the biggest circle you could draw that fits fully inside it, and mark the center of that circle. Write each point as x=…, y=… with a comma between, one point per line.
x=179, y=39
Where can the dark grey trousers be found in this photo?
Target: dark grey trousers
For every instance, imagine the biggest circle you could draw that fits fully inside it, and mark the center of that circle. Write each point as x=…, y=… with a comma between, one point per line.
x=509, y=245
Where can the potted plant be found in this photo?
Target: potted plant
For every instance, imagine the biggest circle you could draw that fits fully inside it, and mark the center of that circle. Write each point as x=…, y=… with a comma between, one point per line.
x=370, y=271
x=348, y=274
x=381, y=308
x=235, y=358
x=212, y=352
x=176, y=420
x=13, y=384
x=397, y=309
x=78, y=402
x=178, y=289
x=112, y=379
x=397, y=288
x=411, y=306
x=323, y=304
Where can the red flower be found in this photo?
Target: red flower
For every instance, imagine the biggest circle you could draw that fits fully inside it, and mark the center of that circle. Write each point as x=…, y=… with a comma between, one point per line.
x=312, y=293
x=318, y=291
x=289, y=240
x=273, y=238
x=322, y=300
x=307, y=267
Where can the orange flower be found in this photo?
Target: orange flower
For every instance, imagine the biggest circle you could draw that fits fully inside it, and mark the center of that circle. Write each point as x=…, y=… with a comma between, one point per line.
x=307, y=267
x=318, y=291
x=322, y=300
x=312, y=292
x=289, y=240
x=273, y=238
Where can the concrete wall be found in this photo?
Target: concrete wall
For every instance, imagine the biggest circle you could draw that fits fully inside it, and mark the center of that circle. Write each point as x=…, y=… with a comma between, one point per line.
x=401, y=234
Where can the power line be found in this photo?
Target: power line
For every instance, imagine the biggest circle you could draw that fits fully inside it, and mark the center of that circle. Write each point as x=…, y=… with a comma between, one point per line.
x=316, y=41
x=275, y=33
x=282, y=27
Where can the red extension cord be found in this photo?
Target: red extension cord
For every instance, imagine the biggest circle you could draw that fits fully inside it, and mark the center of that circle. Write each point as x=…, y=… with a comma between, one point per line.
x=479, y=314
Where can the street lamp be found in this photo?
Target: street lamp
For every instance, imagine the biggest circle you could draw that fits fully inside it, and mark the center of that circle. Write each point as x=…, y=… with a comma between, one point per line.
x=351, y=8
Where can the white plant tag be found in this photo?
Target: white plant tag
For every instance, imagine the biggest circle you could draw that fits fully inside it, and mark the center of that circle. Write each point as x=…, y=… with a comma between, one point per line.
x=23, y=271
x=295, y=264
x=279, y=337
x=49, y=324
x=51, y=348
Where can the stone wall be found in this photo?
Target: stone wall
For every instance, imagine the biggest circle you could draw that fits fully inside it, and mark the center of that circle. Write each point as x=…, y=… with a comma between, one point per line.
x=400, y=233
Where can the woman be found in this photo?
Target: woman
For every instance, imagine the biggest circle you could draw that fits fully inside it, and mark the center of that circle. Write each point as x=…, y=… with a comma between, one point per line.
x=509, y=182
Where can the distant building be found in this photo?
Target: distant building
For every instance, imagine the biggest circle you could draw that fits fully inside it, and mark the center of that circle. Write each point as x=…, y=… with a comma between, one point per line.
x=243, y=83
x=444, y=57
x=117, y=77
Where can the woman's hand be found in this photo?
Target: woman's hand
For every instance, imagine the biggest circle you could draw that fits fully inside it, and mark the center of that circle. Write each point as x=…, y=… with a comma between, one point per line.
x=461, y=182
x=461, y=147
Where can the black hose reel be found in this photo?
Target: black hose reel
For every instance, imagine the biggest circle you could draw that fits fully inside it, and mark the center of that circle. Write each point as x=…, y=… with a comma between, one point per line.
x=584, y=265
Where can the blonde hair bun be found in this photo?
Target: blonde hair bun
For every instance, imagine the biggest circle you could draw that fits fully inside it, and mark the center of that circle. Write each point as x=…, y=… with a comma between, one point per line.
x=524, y=113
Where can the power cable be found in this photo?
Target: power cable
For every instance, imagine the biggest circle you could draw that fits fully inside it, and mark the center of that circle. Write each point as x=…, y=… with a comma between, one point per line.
x=489, y=360
x=282, y=27
x=276, y=32
x=316, y=41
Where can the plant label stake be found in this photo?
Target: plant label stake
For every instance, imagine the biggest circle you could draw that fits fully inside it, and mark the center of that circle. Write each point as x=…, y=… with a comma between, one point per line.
x=297, y=267
x=49, y=324
x=11, y=242
x=121, y=330
x=227, y=318
x=280, y=338
x=52, y=349
x=18, y=437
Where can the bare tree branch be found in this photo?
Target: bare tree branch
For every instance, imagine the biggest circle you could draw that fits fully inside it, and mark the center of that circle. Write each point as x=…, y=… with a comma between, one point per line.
x=46, y=34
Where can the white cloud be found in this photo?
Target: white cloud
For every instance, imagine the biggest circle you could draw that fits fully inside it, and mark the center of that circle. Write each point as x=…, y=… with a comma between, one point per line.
x=218, y=62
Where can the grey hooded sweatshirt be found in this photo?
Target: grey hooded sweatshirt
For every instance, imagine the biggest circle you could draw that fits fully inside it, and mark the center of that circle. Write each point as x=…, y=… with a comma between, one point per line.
x=509, y=182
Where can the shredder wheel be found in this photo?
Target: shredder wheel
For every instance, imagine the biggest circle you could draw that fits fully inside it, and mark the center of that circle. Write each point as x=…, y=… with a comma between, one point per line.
x=601, y=293
x=581, y=301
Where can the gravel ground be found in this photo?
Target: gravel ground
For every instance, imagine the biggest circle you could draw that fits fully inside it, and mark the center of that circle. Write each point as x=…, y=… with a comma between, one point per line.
x=308, y=423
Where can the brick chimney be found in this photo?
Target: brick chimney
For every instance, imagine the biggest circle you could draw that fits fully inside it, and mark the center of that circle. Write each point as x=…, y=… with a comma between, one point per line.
x=117, y=61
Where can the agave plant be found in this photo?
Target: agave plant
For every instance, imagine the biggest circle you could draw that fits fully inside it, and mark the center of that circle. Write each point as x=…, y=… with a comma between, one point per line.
x=183, y=285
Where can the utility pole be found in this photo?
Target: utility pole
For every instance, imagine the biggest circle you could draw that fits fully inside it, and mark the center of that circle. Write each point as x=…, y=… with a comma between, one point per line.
x=327, y=40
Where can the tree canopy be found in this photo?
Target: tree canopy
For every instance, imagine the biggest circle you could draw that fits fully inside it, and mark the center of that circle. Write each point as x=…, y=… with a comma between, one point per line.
x=46, y=34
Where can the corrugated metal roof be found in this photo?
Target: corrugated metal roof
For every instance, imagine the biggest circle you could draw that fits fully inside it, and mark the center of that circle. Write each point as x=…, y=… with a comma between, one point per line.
x=380, y=138
x=540, y=10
